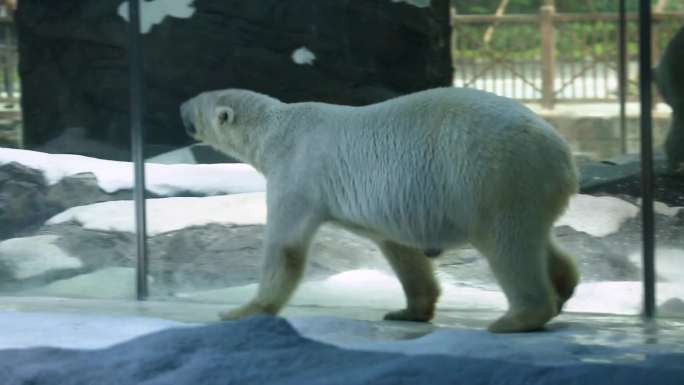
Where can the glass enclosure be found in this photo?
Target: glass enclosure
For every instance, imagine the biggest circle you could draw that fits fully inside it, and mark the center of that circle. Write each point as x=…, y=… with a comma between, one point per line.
x=67, y=182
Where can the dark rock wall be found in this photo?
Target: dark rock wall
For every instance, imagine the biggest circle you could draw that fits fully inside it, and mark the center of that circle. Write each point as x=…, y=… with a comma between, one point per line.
x=73, y=59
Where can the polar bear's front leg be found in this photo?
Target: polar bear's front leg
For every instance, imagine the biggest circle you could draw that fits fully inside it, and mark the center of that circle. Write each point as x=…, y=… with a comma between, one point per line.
x=281, y=272
x=288, y=234
x=414, y=270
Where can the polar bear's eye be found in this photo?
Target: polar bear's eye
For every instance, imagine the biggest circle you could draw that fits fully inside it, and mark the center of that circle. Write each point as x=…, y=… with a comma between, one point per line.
x=223, y=117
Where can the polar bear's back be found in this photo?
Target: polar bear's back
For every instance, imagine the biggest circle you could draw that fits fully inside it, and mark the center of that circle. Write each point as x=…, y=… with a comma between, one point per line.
x=422, y=166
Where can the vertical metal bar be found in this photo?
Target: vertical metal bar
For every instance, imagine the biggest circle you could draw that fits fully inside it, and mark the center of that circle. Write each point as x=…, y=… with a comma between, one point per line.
x=622, y=73
x=648, y=225
x=137, y=138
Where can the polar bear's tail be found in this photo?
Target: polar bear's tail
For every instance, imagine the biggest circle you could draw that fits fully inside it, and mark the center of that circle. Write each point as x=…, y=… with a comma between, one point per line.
x=563, y=272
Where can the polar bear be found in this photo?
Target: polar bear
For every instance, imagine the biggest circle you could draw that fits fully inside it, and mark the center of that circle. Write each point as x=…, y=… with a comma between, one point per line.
x=417, y=174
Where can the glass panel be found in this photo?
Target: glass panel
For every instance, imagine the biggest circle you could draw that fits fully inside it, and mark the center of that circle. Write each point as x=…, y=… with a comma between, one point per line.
x=669, y=166
x=65, y=179
x=207, y=221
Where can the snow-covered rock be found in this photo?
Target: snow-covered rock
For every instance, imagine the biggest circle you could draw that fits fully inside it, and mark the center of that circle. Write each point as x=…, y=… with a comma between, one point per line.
x=161, y=179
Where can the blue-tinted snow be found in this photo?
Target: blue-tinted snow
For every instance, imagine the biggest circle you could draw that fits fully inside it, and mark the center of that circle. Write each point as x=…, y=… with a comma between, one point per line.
x=268, y=350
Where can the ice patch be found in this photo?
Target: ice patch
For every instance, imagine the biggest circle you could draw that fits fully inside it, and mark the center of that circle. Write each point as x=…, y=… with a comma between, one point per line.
x=73, y=331
x=108, y=283
x=154, y=12
x=597, y=216
x=303, y=55
x=31, y=256
x=169, y=214
x=161, y=179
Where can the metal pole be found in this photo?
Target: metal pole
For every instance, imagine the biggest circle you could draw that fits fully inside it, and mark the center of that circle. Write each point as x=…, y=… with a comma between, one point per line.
x=622, y=74
x=137, y=142
x=647, y=216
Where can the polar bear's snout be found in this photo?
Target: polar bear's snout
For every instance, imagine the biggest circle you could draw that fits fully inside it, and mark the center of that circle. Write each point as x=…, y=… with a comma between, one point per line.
x=186, y=116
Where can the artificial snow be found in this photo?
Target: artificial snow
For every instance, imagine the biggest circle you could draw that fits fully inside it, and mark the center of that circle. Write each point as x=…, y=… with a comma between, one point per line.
x=161, y=179
x=303, y=56
x=27, y=257
x=155, y=11
x=364, y=288
x=169, y=214
x=597, y=216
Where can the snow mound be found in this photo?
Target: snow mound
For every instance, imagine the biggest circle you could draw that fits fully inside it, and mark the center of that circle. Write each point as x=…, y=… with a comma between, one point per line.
x=27, y=257
x=169, y=214
x=597, y=216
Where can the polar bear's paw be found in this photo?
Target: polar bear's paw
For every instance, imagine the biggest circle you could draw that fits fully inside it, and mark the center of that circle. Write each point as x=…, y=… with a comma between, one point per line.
x=522, y=321
x=408, y=315
x=247, y=310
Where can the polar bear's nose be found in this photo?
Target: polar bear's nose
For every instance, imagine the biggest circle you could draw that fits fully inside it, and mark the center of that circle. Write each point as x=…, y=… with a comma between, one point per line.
x=190, y=128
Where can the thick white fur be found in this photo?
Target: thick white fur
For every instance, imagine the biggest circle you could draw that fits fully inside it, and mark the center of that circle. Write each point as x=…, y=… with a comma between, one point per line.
x=426, y=171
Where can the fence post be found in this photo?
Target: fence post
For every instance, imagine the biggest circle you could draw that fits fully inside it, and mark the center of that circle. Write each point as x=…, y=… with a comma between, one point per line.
x=548, y=55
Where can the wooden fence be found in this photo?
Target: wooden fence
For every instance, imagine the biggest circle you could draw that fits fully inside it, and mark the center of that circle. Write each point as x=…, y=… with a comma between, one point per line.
x=551, y=57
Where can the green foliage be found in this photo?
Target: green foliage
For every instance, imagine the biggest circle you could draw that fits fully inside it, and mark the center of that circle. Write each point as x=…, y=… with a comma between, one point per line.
x=484, y=7
x=577, y=41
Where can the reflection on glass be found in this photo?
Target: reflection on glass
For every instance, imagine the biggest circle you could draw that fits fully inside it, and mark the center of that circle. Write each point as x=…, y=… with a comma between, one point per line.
x=64, y=170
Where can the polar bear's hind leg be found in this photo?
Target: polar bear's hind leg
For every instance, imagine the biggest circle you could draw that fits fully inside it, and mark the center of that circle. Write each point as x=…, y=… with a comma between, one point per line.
x=564, y=275
x=519, y=260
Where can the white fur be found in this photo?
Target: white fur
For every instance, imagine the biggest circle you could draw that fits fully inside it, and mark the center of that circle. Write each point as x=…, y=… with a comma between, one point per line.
x=426, y=171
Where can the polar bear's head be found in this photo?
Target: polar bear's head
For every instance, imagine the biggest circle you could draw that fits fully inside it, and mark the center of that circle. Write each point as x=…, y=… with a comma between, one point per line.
x=232, y=120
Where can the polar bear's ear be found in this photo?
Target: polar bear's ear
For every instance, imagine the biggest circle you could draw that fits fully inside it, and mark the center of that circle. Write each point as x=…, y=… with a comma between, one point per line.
x=224, y=115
